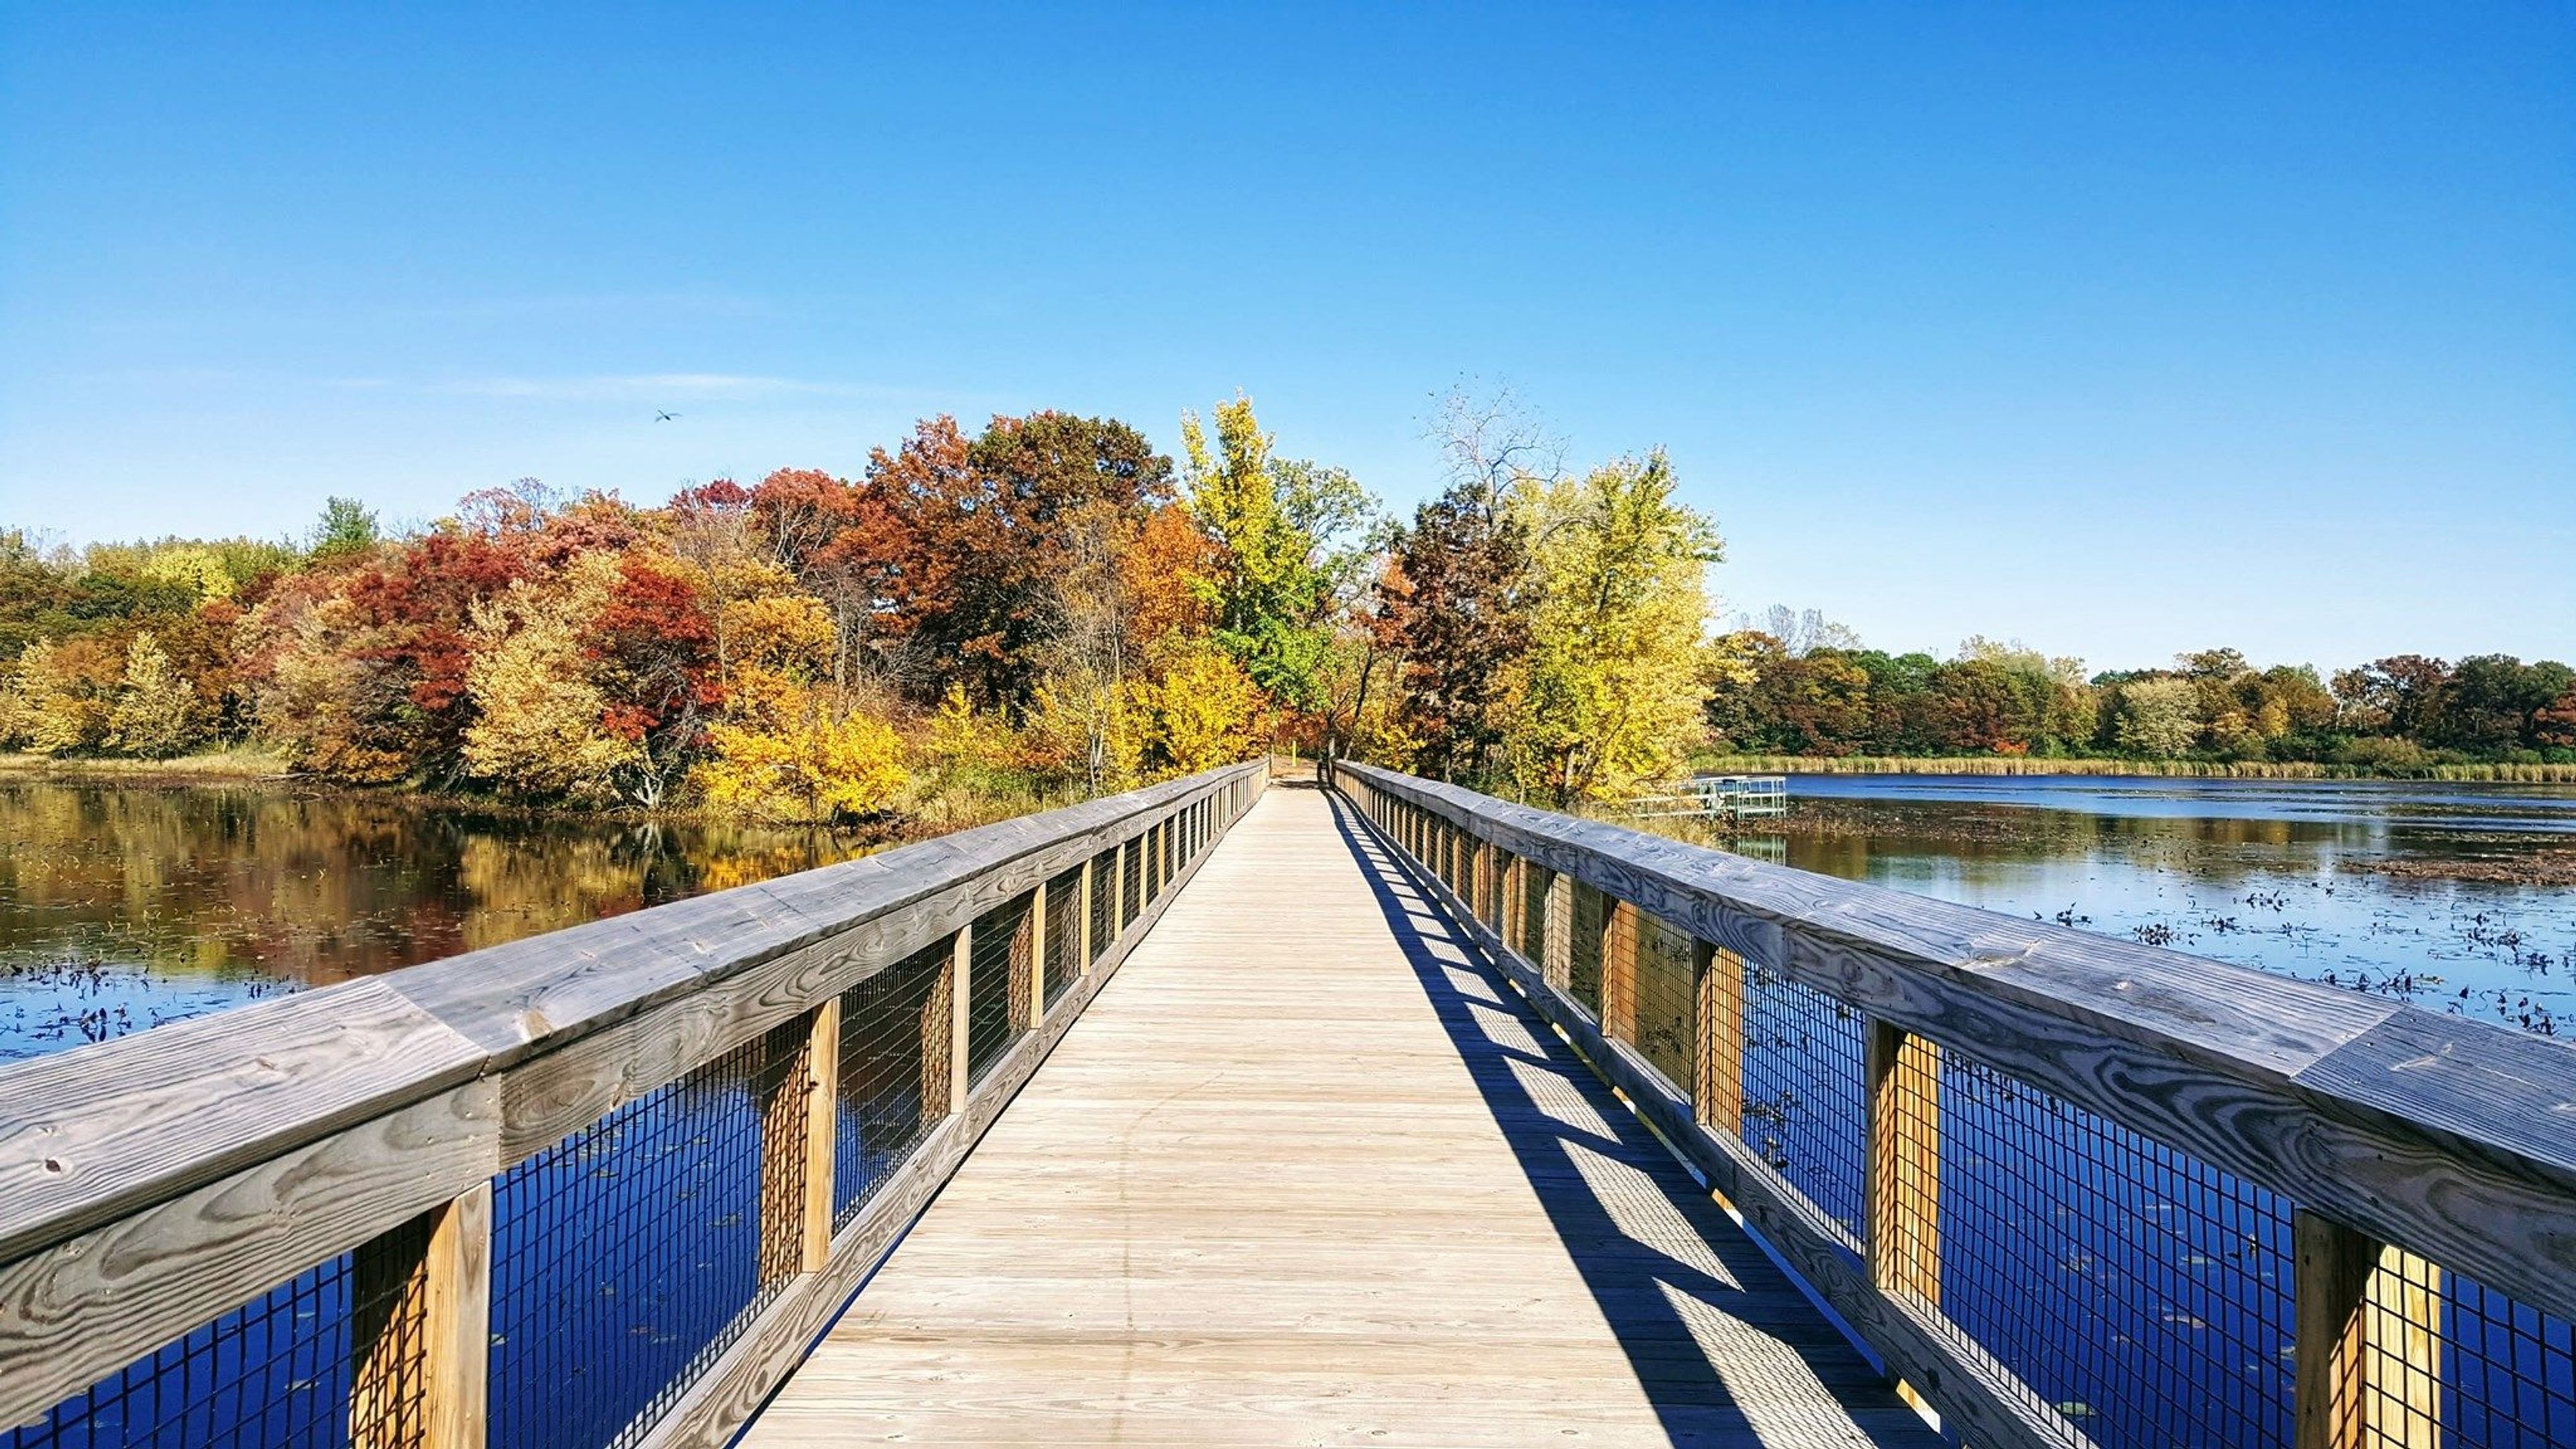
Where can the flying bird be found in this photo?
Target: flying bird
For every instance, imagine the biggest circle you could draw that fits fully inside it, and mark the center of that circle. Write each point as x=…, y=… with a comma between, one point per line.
x=660, y=416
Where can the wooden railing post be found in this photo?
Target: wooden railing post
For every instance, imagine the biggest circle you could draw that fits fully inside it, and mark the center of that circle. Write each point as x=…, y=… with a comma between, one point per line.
x=1558, y=968
x=1903, y=1174
x=1619, y=973
x=787, y=1168
x=1082, y=919
x=961, y=999
x=420, y=1341
x=1028, y=979
x=1118, y=888
x=799, y=1127
x=941, y=1048
x=1719, y=1092
x=2368, y=1353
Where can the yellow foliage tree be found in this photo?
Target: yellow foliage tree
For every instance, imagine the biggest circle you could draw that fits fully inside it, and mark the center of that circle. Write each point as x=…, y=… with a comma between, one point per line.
x=51, y=714
x=1616, y=663
x=539, y=713
x=817, y=763
x=1203, y=711
x=192, y=566
x=157, y=713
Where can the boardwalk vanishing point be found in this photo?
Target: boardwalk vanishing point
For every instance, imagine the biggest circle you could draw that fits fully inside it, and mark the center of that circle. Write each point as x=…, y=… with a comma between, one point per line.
x=1308, y=1173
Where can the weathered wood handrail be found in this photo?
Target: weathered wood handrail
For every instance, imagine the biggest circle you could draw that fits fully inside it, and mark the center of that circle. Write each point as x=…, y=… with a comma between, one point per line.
x=152, y=1183
x=2409, y=1144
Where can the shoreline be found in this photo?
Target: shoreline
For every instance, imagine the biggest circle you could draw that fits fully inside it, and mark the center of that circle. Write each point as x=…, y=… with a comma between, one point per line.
x=246, y=768
x=2492, y=773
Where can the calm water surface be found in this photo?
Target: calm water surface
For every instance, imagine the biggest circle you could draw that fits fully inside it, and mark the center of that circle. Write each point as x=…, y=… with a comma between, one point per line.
x=121, y=908
x=2272, y=874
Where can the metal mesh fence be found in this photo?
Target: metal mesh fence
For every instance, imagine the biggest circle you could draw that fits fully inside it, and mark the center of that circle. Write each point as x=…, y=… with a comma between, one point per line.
x=627, y=1256
x=2145, y=1295
x=1663, y=1000
x=1585, y=936
x=1537, y=882
x=1063, y=932
x=1131, y=868
x=277, y=1370
x=1806, y=1111
x=1104, y=901
x=2442, y=1359
x=997, y=983
x=883, y=1097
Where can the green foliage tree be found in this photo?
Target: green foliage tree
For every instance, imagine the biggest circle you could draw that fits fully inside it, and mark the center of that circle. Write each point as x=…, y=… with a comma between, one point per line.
x=346, y=527
x=1287, y=533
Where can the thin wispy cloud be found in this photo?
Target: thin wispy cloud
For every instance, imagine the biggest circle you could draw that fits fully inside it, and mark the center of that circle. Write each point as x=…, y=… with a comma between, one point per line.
x=666, y=386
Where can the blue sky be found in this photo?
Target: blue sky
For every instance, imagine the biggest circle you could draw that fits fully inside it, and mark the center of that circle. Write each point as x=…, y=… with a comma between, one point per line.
x=2119, y=329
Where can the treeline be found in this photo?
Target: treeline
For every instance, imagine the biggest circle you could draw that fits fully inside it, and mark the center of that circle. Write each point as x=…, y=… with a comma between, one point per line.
x=1051, y=606
x=1772, y=695
x=1047, y=606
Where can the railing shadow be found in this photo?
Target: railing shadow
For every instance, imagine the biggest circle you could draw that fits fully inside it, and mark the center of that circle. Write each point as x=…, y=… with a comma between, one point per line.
x=1726, y=1348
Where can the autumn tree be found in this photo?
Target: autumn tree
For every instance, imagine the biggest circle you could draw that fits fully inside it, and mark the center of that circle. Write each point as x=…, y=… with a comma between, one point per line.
x=1289, y=538
x=1615, y=685
x=1454, y=607
x=156, y=713
x=2158, y=718
x=541, y=726
x=1203, y=709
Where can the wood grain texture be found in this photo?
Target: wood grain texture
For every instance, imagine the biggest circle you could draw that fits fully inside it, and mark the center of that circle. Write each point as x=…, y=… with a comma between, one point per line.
x=82, y=1308
x=1902, y=1182
x=822, y=1132
x=1719, y=1093
x=1305, y=1174
x=101, y=1131
x=1974, y=1401
x=150, y=1183
x=2334, y=1268
x=712, y=1410
x=2454, y=1138
x=420, y=1329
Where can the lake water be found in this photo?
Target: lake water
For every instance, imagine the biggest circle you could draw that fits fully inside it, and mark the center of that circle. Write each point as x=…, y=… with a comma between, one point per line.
x=2286, y=876
x=121, y=908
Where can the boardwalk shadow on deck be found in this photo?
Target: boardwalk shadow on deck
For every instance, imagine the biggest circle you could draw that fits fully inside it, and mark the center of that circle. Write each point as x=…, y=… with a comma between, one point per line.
x=1727, y=1350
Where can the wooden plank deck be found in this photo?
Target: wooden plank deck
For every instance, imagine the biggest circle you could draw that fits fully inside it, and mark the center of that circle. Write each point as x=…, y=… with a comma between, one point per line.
x=1305, y=1174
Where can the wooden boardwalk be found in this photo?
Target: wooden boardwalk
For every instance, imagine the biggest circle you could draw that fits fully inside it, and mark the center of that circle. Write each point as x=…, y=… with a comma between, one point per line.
x=1305, y=1174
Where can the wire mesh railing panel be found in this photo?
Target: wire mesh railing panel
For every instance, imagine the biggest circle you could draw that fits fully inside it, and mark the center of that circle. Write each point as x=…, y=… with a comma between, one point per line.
x=997, y=982
x=1104, y=901
x=628, y=1255
x=882, y=1106
x=2146, y=1296
x=1806, y=1108
x=1131, y=864
x=1663, y=997
x=1063, y=932
x=277, y=1370
x=2446, y=1360
x=1586, y=934
x=1537, y=884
